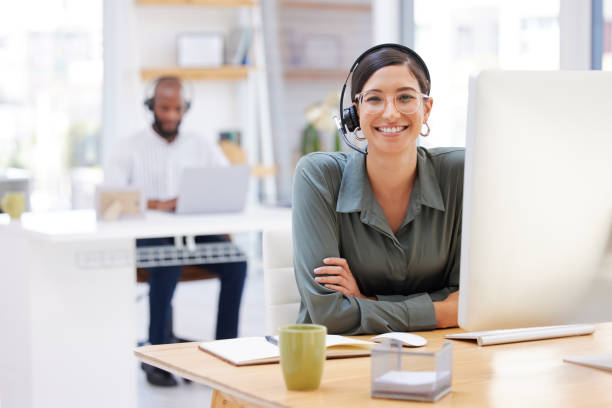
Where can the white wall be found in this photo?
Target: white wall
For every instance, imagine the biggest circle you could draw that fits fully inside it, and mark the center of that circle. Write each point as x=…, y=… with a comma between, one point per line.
x=145, y=36
x=386, y=21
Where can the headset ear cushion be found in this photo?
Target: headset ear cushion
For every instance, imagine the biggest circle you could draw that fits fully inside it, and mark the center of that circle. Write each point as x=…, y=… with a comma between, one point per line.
x=149, y=103
x=350, y=118
x=187, y=105
x=354, y=116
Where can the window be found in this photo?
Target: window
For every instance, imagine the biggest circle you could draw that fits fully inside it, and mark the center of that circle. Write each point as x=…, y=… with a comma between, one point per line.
x=606, y=61
x=457, y=39
x=50, y=92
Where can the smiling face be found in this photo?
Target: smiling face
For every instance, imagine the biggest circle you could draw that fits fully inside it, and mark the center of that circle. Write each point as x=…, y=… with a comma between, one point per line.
x=390, y=131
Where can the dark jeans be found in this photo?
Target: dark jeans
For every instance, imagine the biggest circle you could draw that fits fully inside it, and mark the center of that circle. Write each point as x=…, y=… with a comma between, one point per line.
x=163, y=280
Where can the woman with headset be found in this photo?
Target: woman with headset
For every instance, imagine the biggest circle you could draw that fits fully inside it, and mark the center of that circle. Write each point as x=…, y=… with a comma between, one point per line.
x=377, y=232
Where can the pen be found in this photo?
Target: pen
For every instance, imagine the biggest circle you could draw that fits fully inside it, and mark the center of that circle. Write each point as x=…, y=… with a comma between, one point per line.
x=272, y=340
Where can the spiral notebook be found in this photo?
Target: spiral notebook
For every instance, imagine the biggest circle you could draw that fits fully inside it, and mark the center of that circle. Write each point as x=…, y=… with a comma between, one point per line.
x=243, y=351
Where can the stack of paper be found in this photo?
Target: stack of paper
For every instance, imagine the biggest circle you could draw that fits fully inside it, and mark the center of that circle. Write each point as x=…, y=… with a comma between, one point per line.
x=411, y=382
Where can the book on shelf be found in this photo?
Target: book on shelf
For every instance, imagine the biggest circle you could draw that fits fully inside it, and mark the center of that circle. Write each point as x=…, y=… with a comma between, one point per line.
x=237, y=46
x=243, y=351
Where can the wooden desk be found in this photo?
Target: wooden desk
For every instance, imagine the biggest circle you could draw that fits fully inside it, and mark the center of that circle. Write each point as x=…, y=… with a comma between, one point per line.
x=509, y=375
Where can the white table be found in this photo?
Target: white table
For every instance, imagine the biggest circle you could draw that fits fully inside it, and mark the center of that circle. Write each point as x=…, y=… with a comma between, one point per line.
x=67, y=311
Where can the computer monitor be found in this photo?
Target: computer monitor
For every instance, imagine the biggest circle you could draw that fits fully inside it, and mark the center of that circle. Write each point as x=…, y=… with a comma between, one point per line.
x=537, y=208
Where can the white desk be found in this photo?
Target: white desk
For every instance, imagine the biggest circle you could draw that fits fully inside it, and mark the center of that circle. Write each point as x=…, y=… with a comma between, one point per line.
x=67, y=288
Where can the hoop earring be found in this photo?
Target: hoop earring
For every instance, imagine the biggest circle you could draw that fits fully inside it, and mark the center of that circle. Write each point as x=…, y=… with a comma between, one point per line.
x=355, y=133
x=427, y=132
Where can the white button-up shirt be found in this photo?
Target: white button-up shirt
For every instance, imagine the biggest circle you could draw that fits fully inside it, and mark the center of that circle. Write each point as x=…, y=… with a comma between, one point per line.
x=148, y=162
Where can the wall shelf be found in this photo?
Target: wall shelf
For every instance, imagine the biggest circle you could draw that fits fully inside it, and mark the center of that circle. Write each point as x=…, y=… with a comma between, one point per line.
x=225, y=73
x=211, y=3
x=320, y=5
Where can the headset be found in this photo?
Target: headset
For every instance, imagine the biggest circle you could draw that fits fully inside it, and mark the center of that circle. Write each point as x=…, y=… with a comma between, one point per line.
x=149, y=101
x=349, y=122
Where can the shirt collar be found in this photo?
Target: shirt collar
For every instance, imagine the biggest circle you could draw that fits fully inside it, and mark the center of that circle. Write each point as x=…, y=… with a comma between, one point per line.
x=355, y=189
x=356, y=192
x=161, y=140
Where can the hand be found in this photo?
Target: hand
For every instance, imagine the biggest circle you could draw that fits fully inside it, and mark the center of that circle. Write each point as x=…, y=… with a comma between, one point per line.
x=341, y=278
x=447, y=311
x=168, y=205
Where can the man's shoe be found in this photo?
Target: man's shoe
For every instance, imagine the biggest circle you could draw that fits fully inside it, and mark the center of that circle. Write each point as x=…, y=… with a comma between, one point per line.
x=174, y=339
x=159, y=377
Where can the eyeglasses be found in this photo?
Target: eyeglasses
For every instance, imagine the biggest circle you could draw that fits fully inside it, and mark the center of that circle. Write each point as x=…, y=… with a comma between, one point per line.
x=406, y=102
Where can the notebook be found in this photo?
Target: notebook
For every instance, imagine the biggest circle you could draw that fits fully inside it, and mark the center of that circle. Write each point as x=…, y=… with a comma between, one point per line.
x=205, y=190
x=489, y=337
x=243, y=351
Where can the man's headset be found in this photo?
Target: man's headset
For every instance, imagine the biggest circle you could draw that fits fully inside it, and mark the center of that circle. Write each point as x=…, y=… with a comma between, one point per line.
x=349, y=122
x=149, y=101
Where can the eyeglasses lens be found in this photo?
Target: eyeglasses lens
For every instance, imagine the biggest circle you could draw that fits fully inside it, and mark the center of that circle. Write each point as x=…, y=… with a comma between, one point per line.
x=406, y=102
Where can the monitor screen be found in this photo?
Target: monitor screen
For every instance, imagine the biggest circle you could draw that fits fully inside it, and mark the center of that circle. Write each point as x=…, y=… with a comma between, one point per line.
x=537, y=215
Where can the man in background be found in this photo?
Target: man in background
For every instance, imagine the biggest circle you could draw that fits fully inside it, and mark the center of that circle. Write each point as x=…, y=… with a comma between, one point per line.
x=152, y=160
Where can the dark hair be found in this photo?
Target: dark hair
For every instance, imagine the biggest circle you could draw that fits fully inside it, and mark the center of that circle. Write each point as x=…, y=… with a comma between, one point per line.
x=382, y=58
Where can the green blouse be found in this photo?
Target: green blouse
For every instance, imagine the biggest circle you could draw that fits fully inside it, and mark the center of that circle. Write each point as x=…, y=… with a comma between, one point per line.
x=335, y=214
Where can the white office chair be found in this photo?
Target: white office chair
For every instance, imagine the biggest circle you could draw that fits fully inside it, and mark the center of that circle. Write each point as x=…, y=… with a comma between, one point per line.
x=281, y=294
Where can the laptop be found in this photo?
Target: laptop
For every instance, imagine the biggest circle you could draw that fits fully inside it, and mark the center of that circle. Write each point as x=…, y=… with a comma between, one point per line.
x=204, y=190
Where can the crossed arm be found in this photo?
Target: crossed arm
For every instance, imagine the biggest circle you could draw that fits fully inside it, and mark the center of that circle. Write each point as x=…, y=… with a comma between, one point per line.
x=340, y=278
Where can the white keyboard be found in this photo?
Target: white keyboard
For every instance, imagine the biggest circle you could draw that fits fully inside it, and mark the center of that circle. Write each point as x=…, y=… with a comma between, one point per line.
x=489, y=337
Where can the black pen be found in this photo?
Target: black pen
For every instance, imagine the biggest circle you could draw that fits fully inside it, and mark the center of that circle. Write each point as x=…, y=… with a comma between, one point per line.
x=272, y=340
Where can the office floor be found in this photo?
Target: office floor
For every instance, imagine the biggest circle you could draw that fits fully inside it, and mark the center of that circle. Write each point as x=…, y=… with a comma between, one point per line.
x=195, y=308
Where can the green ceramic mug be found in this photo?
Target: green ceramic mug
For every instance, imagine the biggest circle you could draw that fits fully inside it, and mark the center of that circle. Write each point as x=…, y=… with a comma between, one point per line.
x=13, y=204
x=302, y=354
